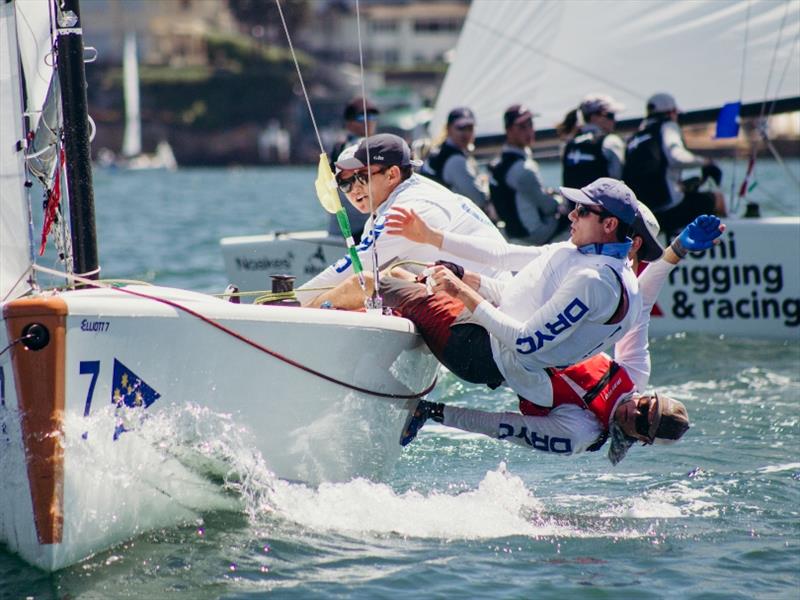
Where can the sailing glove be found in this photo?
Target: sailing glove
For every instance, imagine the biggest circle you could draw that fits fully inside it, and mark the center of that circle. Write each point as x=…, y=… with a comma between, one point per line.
x=697, y=235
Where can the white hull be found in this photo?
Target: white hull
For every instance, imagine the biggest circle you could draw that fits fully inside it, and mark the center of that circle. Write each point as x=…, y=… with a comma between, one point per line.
x=748, y=287
x=58, y=503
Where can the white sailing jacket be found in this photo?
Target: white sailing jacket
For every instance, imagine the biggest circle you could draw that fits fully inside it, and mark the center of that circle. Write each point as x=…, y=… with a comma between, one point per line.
x=440, y=208
x=553, y=313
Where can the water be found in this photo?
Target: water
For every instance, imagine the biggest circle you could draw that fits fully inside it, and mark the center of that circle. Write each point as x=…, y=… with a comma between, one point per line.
x=715, y=516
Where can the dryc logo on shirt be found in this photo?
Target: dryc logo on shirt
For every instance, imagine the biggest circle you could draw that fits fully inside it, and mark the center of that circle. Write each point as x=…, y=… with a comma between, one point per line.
x=573, y=313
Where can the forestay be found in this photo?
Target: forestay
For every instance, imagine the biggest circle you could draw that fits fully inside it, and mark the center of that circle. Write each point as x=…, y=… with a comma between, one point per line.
x=550, y=54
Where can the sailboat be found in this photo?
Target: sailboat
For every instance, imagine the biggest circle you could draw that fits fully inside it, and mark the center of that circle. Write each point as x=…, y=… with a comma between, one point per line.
x=132, y=158
x=549, y=55
x=88, y=370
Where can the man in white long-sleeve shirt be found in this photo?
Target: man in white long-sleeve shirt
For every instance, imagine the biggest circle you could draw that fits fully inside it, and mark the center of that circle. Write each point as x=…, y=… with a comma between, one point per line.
x=597, y=398
x=570, y=302
x=389, y=181
x=655, y=157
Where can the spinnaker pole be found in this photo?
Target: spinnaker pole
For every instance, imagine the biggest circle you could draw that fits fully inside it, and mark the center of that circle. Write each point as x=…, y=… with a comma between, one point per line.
x=74, y=106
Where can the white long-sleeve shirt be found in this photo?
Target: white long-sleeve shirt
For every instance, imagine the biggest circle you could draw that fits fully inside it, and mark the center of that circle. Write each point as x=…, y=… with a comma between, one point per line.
x=439, y=207
x=570, y=429
x=533, y=318
x=679, y=157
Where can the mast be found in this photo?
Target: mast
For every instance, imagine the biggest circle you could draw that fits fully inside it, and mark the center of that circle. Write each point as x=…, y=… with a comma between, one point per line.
x=72, y=77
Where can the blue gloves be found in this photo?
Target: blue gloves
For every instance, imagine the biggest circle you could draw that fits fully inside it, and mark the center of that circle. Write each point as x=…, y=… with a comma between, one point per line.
x=697, y=235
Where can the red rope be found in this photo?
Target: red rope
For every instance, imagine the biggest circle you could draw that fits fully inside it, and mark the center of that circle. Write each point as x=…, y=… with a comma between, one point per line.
x=277, y=355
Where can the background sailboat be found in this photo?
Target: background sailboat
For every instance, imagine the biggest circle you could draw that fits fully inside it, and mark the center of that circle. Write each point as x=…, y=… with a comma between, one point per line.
x=132, y=157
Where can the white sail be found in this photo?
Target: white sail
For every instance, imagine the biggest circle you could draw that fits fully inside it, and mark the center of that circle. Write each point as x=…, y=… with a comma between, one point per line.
x=549, y=54
x=15, y=253
x=132, y=140
x=35, y=51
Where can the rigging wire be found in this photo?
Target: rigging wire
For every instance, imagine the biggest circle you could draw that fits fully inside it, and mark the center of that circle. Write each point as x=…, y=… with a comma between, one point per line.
x=376, y=301
x=734, y=199
x=300, y=76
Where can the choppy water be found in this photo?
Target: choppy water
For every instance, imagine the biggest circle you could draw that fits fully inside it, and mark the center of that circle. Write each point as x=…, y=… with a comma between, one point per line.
x=716, y=516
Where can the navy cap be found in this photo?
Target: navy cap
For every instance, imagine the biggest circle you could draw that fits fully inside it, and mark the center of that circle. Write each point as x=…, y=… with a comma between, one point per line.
x=461, y=116
x=384, y=149
x=355, y=108
x=517, y=113
x=609, y=194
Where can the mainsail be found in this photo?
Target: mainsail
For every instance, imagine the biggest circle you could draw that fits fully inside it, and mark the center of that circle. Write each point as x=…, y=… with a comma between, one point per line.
x=550, y=54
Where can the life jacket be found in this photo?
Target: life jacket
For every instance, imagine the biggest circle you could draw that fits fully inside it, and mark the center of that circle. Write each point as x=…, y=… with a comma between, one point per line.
x=583, y=159
x=594, y=384
x=645, y=170
x=504, y=197
x=434, y=164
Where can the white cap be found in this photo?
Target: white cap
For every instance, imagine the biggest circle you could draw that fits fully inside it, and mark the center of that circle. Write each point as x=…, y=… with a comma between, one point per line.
x=596, y=103
x=661, y=103
x=348, y=152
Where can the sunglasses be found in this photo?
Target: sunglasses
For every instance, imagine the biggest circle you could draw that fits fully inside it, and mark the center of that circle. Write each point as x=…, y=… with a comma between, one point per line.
x=465, y=127
x=346, y=184
x=642, y=423
x=370, y=117
x=583, y=211
x=611, y=116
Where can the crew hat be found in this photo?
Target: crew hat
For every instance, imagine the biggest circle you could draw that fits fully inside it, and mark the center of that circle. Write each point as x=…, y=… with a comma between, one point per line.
x=609, y=194
x=348, y=152
x=517, y=113
x=646, y=225
x=599, y=103
x=385, y=149
x=670, y=422
x=460, y=117
x=355, y=108
x=661, y=103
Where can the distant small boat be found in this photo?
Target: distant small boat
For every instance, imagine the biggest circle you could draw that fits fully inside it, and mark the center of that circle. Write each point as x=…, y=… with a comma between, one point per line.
x=131, y=156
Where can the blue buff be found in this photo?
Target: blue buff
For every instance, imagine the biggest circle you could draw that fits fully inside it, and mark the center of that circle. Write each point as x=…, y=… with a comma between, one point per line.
x=615, y=249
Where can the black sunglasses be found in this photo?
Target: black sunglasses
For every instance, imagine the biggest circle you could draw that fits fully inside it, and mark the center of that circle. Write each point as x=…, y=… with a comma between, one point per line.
x=359, y=176
x=582, y=210
x=611, y=116
x=642, y=423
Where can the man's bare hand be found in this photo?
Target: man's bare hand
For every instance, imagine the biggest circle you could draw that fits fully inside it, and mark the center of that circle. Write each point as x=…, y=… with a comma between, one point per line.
x=407, y=223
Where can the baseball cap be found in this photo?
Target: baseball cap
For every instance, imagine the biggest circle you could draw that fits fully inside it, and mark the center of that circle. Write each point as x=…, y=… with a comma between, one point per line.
x=661, y=103
x=646, y=225
x=517, y=113
x=384, y=149
x=599, y=103
x=610, y=194
x=348, y=152
x=670, y=422
x=461, y=116
x=355, y=108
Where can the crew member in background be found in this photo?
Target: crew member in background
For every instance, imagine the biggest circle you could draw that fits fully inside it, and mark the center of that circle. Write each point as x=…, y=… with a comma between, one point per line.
x=654, y=158
x=356, y=126
x=598, y=398
x=452, y=163
x=531, y=213
x=389, y=178
x=594, y=150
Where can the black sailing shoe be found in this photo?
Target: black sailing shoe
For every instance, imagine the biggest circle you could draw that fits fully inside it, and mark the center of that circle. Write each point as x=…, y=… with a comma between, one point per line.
x=425, y=410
